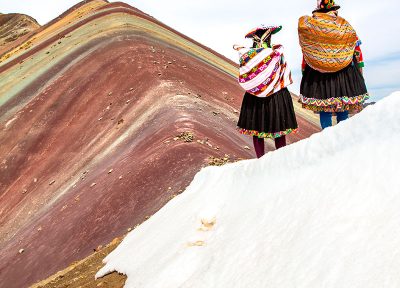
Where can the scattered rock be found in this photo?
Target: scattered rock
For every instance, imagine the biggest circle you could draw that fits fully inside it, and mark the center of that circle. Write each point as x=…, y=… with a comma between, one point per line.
x=235, y=111
x=109, y=93
x=120, y=121
x=159, y=73
x=110, y=171
x=214, y=161
x=92, y=185
x=120, y=177
x=246, y=147
x=24, y=191
x=184, y=66
x=130, y=89
x=52, y=182
x=35, y=180
x=127, y=101
x=100, y=118
x=21, y=251
x=169, y=62
x=185, y=136
x=129, y=229
x=215, y=113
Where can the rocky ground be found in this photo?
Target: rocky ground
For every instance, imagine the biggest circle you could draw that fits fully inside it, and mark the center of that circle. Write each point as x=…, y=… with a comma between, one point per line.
x=81, y=274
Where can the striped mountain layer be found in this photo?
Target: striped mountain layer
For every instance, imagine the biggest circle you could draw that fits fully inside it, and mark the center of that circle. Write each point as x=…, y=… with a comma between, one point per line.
x=105, y=115
x=15, y=27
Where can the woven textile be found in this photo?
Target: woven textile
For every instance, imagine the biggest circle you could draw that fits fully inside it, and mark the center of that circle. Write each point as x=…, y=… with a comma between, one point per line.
x=327, y=41
x=263, y=71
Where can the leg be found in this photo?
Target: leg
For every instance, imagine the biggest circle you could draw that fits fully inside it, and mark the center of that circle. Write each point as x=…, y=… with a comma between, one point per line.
x=341, y=116
x=258, y=146
x=326, y=119
x=280, y=142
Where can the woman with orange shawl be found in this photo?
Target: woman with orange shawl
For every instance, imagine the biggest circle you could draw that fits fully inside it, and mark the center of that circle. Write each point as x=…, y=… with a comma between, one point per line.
x=332, y=64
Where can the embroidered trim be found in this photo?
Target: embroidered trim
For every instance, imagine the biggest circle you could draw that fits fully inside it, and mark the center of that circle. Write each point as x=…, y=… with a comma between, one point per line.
x=249, y=55
x=334, y=104
x=265, y=134
x=255, y=70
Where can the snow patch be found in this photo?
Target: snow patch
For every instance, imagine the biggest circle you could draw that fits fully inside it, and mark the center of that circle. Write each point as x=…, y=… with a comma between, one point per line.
x=323, y=212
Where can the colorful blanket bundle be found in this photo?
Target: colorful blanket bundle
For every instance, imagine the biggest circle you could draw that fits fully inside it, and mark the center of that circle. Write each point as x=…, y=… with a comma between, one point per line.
x=327, y=41
x=263, y=71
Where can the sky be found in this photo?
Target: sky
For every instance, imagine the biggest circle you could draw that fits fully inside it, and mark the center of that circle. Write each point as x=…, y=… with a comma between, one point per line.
x=219, y=24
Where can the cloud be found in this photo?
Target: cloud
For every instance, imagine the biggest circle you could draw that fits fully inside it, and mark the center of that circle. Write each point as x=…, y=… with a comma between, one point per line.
x=43, y=12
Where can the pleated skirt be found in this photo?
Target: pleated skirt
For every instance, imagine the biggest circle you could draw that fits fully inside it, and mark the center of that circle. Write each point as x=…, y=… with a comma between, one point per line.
x=344, y=90
x=269, y=117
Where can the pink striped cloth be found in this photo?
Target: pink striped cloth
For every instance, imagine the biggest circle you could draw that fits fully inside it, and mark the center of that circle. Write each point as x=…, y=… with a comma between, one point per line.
x=263, y=71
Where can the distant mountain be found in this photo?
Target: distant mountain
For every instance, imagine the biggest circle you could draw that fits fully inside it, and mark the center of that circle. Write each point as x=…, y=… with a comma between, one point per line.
x=105, y=115
x=13, y=26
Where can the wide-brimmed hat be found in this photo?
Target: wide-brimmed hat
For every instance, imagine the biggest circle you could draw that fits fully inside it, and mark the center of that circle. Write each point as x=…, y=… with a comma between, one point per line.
x=273, y=30
x=326, y=6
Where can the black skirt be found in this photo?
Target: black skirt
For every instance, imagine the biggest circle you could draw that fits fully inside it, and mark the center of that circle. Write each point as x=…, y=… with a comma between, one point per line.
x=333, y=92
x=269, y=117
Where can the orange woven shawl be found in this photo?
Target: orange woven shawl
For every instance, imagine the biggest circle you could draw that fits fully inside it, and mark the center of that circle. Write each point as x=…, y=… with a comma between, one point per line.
x=327, y=41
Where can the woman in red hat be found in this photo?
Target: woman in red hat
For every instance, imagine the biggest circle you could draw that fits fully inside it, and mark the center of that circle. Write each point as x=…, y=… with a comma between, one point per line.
x=332, y=79
x=267, y=108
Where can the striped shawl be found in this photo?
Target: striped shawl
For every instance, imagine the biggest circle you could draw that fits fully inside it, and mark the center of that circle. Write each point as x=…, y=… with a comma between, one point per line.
x=263, y=71
x=327, y=41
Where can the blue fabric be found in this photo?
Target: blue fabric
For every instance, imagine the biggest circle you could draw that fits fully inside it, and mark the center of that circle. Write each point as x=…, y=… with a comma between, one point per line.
x=326, y=118
x=341, y=116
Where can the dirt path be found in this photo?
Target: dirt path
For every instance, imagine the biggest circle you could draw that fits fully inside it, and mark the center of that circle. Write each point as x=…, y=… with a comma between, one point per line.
x=81, y=274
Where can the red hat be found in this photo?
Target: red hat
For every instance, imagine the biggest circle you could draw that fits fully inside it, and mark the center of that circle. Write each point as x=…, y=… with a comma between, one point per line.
x=273, y=30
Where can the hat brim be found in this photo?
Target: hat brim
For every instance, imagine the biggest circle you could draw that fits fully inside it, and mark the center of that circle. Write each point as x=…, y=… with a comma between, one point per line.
x=274, y=31
x=324, y=10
